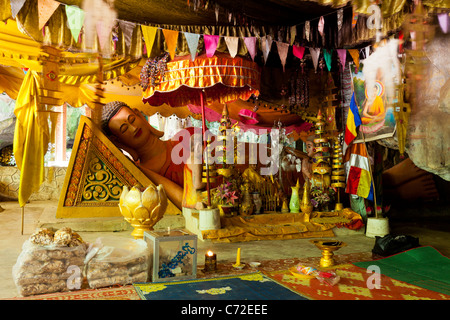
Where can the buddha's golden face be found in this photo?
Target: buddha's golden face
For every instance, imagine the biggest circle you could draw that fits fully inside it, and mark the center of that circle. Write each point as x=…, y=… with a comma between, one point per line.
x=130, y=127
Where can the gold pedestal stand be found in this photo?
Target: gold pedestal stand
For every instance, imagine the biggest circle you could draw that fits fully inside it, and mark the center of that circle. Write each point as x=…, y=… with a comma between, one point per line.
x=328, y=247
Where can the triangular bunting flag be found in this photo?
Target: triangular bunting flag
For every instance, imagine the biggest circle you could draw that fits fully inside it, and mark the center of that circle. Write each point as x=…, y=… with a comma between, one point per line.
x=366, y=52
x=342, y=54
x=327, y=56
x=321, y=25
x=298, y=51
x=444, y=21
x=75, y=19
x=340, y=18
x=293, y=34
x=149, y=34
x=192, y=41
x=211, y=42
x=315, y=52
x=127, y=28
x=250, y=43
x=45, y=11
x=171, y=37
x=355, y=56
x=307, y=30
x=354, y=19
x=282, y=52
x=232, y=45
x=216, y=10
x=266, y=45
x=16, y=5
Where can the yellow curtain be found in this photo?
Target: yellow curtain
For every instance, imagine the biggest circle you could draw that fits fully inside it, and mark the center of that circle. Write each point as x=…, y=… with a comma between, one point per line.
x=31, y=137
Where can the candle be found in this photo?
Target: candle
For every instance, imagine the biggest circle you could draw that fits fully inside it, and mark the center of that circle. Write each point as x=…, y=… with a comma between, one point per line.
x=238, y=257
x=210, y=261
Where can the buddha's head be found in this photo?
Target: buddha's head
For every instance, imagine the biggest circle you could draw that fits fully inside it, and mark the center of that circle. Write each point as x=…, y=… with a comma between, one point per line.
x=127, y=125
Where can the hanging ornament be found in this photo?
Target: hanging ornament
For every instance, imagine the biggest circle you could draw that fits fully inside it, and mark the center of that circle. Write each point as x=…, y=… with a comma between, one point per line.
x=152, y=70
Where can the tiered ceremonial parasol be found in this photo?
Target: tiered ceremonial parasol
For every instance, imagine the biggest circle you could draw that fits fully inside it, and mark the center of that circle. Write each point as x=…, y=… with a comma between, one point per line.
x=203, y=81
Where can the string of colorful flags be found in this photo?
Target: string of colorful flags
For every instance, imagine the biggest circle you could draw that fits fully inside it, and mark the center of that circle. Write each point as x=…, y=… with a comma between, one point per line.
x=99, y=19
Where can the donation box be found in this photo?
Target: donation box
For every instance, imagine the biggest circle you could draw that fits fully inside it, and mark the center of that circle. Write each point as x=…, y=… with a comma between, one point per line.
x=174, y=255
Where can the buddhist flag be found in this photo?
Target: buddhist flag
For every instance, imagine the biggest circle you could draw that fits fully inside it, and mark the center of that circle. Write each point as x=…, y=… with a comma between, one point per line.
x=353, y=122
x=359, y=179
x=171, y=37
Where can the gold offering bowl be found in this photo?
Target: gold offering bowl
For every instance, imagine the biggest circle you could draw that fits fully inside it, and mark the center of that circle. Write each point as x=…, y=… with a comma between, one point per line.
x=328, y=247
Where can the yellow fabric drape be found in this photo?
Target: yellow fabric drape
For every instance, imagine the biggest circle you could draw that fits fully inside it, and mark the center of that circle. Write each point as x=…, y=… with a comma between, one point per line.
x=31, y=137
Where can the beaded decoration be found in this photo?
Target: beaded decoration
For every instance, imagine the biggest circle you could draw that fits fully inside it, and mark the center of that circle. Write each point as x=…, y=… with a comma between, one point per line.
x=152, y=69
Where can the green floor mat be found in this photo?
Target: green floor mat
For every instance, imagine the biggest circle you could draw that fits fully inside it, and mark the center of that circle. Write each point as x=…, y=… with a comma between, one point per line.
x=424, y=267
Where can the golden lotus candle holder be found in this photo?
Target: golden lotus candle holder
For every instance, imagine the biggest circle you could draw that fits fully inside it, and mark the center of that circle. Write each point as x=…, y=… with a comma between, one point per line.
x=328, y=247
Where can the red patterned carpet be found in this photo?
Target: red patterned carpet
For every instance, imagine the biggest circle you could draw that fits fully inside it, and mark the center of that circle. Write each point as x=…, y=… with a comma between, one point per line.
x=112, y=293
x=353, y=285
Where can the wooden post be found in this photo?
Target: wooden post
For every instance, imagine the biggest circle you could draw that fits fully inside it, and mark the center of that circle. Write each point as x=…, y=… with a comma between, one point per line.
x=371, y=177
x=205, y=146
x=23, y=211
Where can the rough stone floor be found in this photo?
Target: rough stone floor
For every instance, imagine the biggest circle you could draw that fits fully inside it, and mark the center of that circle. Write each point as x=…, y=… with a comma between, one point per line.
x=11, y=242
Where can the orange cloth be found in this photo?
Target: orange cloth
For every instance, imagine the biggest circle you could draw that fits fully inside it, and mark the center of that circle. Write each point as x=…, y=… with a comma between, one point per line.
x=222, y=78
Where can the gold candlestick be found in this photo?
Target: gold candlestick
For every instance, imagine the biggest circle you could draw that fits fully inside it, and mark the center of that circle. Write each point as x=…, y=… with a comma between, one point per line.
x=328, y=247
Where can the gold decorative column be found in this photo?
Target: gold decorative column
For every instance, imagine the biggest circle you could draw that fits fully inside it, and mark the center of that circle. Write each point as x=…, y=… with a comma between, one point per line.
x=338, y=172
x=321, y=163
